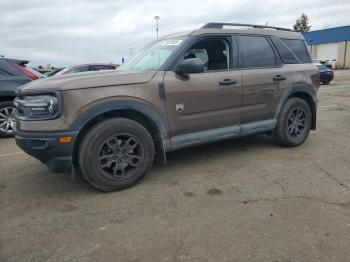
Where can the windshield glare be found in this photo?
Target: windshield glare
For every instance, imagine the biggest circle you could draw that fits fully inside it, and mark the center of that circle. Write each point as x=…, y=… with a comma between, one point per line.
x=153, y=56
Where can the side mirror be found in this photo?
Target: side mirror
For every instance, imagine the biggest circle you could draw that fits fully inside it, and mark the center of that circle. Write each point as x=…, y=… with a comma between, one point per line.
x=190, y=66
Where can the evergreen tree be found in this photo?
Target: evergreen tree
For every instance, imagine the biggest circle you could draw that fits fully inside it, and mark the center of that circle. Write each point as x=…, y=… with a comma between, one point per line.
x=302, y=24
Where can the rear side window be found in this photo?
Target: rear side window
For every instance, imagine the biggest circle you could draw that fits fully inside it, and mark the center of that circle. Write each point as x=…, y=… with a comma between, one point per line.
x=255, y=51
x=298, y=48
x=286, y=54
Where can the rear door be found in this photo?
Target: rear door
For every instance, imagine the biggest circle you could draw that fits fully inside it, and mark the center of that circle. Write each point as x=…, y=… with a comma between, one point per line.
x=264, y=77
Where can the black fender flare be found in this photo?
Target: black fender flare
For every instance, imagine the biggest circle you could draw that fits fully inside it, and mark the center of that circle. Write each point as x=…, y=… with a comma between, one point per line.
x=308, y=90
x=114, y=105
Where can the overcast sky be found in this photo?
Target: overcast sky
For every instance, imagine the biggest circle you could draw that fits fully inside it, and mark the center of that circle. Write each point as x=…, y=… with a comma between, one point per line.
x=69, y=32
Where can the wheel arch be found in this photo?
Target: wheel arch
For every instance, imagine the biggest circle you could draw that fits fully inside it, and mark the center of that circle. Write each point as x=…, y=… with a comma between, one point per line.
x=127, y=109
x=305, y=93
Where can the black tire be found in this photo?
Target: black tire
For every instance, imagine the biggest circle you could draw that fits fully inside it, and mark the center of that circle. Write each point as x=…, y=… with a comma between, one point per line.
x=108, y=151
x=5, y=127
x=326, y=82
x=291, y=132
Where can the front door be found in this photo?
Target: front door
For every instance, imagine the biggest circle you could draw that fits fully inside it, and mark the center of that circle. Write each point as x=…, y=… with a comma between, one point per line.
x=208, y=100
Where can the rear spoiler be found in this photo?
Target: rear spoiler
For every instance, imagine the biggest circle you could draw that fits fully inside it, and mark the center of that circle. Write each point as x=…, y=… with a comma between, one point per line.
x=17, y=61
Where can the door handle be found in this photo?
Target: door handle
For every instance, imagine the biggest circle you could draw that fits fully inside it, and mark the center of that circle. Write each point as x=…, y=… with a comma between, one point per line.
x=279, y=78
x=228, y=82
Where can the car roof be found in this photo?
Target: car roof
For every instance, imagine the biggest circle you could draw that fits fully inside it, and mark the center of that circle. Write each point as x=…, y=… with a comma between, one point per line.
x=218, y=28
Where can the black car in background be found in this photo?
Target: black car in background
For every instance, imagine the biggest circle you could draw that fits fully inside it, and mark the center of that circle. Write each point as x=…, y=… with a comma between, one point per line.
x=322, y=62
x=326, y=74
x=13, y=73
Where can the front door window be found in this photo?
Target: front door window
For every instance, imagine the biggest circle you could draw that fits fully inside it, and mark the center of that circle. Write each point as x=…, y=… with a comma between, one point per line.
x=214, y=53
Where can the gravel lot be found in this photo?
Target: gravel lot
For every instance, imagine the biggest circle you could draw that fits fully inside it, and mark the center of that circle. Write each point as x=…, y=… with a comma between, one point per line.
x=241, y=200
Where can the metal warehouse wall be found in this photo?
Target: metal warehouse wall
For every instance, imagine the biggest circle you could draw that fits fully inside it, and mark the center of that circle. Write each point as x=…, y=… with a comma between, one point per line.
x=338, y=54
x=343, y=55
x=331, y=44
x=330, y=35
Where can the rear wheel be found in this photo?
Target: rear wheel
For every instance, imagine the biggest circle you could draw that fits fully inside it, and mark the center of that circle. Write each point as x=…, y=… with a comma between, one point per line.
x=326, y=82
x=115, y=154
x=7, y=109
x=294, y=123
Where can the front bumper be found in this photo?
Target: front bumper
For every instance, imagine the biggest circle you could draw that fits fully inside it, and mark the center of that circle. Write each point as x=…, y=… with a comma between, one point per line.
x=48, y=149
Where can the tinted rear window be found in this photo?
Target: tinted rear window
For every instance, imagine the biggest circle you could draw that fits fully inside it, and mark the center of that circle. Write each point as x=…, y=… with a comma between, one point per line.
x=255, y=51
x=286, y=54
x=298, y=48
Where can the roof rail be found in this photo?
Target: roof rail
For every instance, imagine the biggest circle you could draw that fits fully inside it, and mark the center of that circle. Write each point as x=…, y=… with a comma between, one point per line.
x=221, y=25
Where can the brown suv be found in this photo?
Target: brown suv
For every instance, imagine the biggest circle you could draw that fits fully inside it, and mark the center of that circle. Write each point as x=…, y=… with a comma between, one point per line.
x=184, y=89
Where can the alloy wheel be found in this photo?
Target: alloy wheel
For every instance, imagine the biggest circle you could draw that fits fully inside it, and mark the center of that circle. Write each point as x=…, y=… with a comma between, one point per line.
x=7, y=119
x=297, y=122
x=120, y=156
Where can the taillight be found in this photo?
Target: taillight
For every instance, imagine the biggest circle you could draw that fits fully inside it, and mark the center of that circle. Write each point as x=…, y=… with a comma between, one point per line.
x=27, y=72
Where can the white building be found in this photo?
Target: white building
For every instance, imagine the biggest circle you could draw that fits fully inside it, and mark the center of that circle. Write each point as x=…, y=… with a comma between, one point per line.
x=331, y=45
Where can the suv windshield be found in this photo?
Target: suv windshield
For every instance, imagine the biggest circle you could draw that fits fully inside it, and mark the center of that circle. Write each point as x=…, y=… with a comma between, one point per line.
x=153, y=56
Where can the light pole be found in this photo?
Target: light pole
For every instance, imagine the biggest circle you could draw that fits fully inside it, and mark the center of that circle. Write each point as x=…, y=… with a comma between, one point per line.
x=157, y=18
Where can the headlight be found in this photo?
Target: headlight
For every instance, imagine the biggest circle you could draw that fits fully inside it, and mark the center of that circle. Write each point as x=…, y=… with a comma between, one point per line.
x=37, y=106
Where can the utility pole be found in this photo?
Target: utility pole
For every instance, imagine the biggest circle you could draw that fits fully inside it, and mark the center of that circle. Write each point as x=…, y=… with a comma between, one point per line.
x=157, y=28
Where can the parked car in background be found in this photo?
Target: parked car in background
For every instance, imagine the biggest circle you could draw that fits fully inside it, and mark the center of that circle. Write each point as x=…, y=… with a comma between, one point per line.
x=86, y=68
x=182, y=90
x=55, y=71
x=13, y=73
x=326, y=74
x=34, y=71
x=322, y=62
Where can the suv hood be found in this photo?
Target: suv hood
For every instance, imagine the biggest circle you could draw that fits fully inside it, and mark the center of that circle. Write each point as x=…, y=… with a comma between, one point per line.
x=87, y=80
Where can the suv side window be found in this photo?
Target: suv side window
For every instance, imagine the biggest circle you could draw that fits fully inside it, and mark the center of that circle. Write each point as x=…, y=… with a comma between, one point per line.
x=255, y=51
x=214, y=53
x=288, y=57
x=299, y=49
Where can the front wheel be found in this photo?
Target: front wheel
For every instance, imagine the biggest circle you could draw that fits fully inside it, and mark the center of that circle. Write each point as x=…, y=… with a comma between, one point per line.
x=294, y=123
x=115, y=154
x=7, y=109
